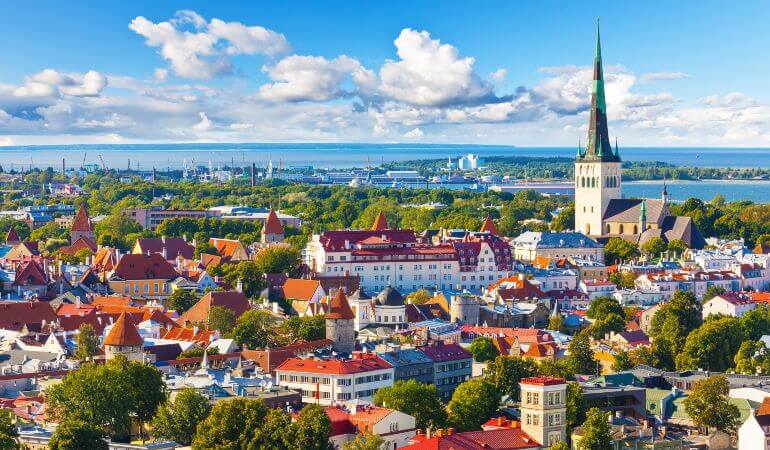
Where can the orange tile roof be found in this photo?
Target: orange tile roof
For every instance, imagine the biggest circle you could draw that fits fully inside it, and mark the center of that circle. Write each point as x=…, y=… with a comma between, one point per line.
x=365, y=363
x=226, y=247
x=296, y=288
x=272, y=224
x=199, y=313
x=380, y=223
x=111, y=300
x=82, y=222
x=189, y=335
x=339, y=308
x=764, y=408
x=760, y=297
x=489, y=226
x=123, y=333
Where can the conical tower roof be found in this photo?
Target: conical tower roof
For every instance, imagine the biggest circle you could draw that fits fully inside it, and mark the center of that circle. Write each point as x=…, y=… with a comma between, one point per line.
x=124, y=333
x=339, y=308
x=12, y=237
x=599, y=147
x=82, y=222
x=489, y=226
x=272, y=224
x=380, y=223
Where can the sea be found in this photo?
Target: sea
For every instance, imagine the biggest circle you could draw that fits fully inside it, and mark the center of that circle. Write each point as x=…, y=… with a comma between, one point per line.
x=340, y=155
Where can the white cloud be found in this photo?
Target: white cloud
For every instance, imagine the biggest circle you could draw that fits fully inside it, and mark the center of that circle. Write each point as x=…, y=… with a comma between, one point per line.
x=315, y=78
x=430, y=73
x=161, y=74
x=205, y=51
x=664, y=76
x=415, y=133
x=498, y=75
x=205, y=124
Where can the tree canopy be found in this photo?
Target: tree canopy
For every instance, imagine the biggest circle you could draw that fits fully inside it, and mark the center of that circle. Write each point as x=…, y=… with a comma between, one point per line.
x=473, y=403
x=422, y=401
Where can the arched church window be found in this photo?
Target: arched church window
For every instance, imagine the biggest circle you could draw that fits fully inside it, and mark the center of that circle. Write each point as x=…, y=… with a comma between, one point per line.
x=636, y=229
x=621, y=228
x=608, y=228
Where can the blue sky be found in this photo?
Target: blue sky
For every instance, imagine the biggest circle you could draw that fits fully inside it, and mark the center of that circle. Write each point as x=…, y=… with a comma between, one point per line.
x=679, y=73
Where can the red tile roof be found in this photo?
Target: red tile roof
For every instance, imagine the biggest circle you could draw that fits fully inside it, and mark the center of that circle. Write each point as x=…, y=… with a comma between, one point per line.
x=440, y=351
x=82, y=222
x=339, y=308
x=359, y=364
x=232, y=300
x=525, y=335
x=380, y=223
x=489, y=226
x=12, y=237
x=81, y=243
x=145, y=267
x=272, y=224
x=543, y=381
x=502, y=439
x=30, y=274
x=14, y=314
x=111, y=300
x=123, y=333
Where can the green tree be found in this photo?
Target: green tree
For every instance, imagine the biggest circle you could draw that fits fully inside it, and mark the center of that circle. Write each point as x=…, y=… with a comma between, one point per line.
x=596, y=431
x=505, y=372
x=312, y=429
x=712, y=291
x=87, y=343
x=606, y=324
x=654, y=246
x=366, y=441
x=558, y=369
x=222, y=319
x=473, y=403
x=752, y=358
x=626, y=280
x=8, y=433
x=308, y=328
x=247, y=272
x=178, y=420
x=108, y=395
x=617, y=249
x=581, y=357
x=277, y=260
x=117, y=230
x=622, y=362
x=181, y=300
x=556, y=323
x=230, y=424
x=712, y=346
x=483, y=349
x=677, y=246
x=277, y=432
x=671, y=324
x=756, y=323
x=419, y=297
x=254, y=329
x=561, y=445
x=708, y=404
x=565, y=220
x=197, y=352
x=602, y=306
x=422, y=401
x=576, y=404
x=78, y=435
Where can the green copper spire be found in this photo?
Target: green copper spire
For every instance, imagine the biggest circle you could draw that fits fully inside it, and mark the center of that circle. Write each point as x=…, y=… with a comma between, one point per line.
x=599, y=147
x=643, y=212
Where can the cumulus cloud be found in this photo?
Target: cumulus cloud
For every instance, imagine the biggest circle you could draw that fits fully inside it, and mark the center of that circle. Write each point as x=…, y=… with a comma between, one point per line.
x=299, y=78
x=206, y=49
x=498, y=75
x=429, y=73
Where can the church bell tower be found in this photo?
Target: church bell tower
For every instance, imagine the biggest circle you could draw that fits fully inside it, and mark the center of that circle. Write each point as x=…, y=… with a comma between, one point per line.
x=597, y=166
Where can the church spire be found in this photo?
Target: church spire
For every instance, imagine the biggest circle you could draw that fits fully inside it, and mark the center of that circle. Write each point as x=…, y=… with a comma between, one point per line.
x=599, y=147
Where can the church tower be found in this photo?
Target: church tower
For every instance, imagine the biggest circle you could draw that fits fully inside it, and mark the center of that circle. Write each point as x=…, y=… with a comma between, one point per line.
x=597, y=167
